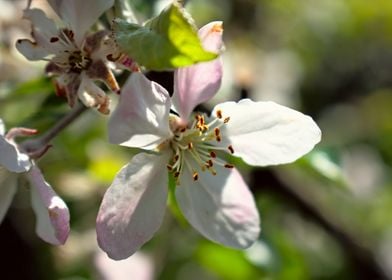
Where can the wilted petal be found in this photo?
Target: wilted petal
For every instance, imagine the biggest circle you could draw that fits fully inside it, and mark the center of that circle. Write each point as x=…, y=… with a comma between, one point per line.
x=80, y=15
x=43, y=29
x=199, y=83
x=220, y=207
x=265, y=133
x=8, y=184
x=11, y=158
x=133, y=207
x=142, y=114
x=99, y=71
x=51, y=212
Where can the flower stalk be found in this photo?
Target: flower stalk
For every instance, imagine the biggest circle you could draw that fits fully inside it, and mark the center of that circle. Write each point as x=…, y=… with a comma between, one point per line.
x=32, y=146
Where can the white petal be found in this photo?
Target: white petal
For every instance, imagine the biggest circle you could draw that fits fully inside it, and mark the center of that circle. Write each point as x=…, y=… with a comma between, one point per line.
x=265, y=133
x=51, y=212
x=43, y=30
x=198, y=83
x=220, y=207
x=80, y=14
x=2, y=128
x=8, y=184
x=133, y=207
x=141, y=118
x=11, y=158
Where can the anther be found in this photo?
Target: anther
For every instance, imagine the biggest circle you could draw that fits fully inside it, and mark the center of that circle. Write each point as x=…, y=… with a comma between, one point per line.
x=176, y=174
x=226, y=120
x=183, y=129
x=195, y=176
x=54, y=39
x=169, y=167
x=229, y=166
x=217, y=131
x=213, y=154
x=219, y=114
x=176, y=157
x=209, y=163
x=231, y=149
x=190, y=145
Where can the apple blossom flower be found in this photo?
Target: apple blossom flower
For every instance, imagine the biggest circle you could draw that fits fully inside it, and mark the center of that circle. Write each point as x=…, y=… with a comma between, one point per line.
x=51, y=212
x=210, y=191
x=76, y=58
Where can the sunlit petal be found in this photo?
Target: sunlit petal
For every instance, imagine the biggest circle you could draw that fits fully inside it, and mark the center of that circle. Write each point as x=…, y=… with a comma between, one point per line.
x=43, y=30
x=80, y=15
x=133, y=207
x=11, y=158
x=265, y=133
x=2, y=128
x=141, y=118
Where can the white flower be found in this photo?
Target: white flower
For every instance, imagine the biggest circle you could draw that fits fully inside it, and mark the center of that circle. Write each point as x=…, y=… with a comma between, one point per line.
x=210, y=192
x=51, y=212
x=77, y=59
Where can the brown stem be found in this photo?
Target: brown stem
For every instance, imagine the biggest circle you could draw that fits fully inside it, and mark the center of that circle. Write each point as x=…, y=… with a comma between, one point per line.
x=37, y=144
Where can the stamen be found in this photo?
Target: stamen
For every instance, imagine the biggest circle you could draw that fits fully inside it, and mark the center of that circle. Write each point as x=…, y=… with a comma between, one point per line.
x=190, y=145
x=213, y=154
x=231, y=149
x=219, y=114
x=217, y=132
x=195, y=176
x=226, y=120
x=169, y=167
x=176, y=174
x=230, y=166
x=210, y=163
x=54, y=39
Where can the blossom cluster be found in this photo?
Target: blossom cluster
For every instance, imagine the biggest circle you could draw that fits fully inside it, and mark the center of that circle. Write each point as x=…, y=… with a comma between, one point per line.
x=194, y=148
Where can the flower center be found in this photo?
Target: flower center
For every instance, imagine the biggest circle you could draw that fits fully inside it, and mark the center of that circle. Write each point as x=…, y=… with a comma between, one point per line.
x=68, y=55
x=197, y=145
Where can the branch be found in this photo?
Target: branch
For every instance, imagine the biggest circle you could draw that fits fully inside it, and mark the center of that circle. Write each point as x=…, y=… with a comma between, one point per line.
x=364, y=265
x=42, y=143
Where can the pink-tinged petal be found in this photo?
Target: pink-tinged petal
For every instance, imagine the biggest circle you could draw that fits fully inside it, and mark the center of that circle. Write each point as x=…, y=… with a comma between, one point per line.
x=51, y=212
x=11, y=158
x=199, y=83
x=80, y=14
x=43, y=32
x=141, y=118
x=220, y=207
x=8, y=185
x=133, y=207
x=265, y=133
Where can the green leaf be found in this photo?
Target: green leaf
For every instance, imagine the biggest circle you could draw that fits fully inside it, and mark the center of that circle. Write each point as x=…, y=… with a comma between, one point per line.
x=167, y=41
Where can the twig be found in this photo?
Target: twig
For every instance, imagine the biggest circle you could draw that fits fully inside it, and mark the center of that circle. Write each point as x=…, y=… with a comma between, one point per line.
x=37, y=144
